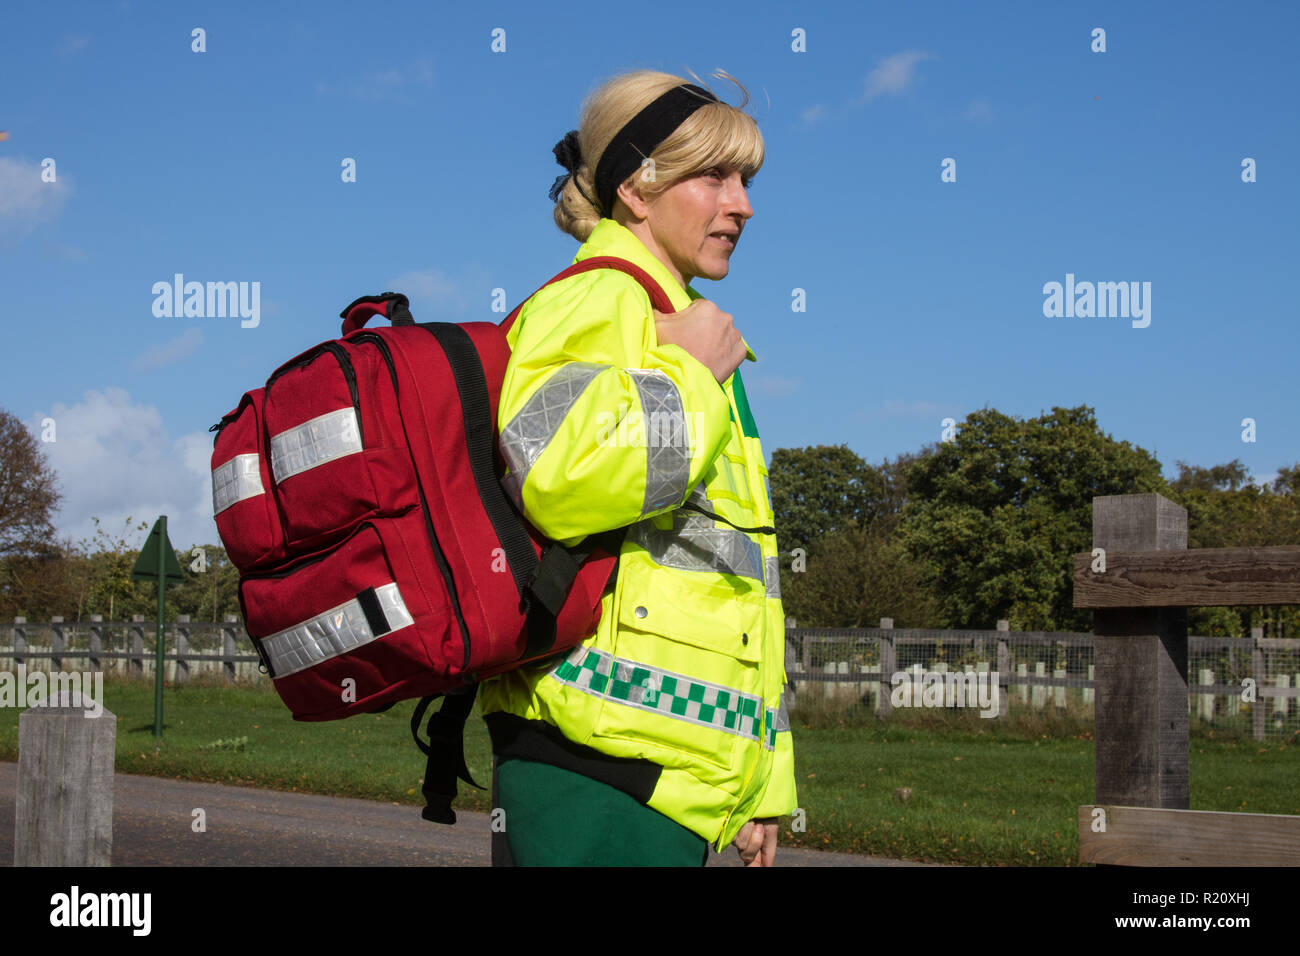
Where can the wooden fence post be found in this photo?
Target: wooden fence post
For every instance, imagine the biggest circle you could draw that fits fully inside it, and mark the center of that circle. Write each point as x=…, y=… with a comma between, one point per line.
x=96, y=642
x=1004, y=669
x=58, y=642
x=1141, y=667
x=18, y=640
x=1258, y=668
x=63, y=815
x=135, y=663
x=888, y=664
x=181, y=672
x=228, y=646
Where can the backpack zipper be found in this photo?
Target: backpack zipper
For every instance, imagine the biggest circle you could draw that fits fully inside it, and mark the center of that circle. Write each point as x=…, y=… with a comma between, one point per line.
x=345, y=365
x=449, y=580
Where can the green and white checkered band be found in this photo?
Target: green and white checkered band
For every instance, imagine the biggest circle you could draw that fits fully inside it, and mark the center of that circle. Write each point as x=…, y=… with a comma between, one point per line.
x=670, y=695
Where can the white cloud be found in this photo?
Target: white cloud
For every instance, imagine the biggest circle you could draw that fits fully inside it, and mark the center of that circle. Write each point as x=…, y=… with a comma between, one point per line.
x=181, y=347
x=114, y=459
x=812, y=114
x=58, y=250
x=979, y=112
x=433, y=293
x=777, y=386
x=384, y=84
x=894, y=74
x=71, y=44
x=897, y=408
x=25, y=200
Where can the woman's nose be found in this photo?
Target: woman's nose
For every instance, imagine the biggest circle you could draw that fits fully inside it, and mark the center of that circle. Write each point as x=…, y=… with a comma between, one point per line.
x=736, y=197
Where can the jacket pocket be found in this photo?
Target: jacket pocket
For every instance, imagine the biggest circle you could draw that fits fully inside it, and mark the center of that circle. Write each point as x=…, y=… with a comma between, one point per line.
x=700, y=609
x=683, y=676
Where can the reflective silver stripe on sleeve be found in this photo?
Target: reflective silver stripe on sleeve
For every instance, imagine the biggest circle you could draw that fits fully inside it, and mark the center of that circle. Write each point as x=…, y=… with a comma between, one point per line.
x=668, y=452
x=696, y=543
x=772, y=575
x=237, y=479
x=337, y=631
x=782, y=717
x=526, y=436
x=316, y=441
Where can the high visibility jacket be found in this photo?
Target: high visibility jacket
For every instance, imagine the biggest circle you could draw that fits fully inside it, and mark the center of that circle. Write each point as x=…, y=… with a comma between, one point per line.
x=603, y=427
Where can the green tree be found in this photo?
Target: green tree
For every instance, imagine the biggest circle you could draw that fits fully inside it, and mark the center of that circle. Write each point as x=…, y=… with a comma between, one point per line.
x=208, y=591
x=854, y=578
x=841, y=512
x=1226, y=510
x=997, y=514
x=113, y=592
x=28, y=492
x=822, y=490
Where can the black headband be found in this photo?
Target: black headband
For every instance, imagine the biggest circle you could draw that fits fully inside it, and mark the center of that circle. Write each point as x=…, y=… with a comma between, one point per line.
x=642, y=135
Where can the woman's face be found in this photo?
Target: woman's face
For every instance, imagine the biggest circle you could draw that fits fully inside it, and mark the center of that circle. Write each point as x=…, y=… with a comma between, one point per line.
x=695, y=223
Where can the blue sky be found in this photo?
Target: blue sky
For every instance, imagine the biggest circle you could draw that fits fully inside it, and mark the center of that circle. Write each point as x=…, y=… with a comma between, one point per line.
x=924, y=298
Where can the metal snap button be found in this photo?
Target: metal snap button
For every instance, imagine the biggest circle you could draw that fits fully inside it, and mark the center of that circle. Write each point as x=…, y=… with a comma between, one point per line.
x=640, y=611
x=744, y=639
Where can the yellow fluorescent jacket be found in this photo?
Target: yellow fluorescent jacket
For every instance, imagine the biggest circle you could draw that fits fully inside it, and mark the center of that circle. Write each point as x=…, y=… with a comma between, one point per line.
x=602, y=427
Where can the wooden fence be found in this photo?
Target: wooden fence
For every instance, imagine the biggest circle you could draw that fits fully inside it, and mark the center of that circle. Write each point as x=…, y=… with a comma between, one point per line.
x=845, y=667
x=137, y=655
x=1139, y=581
x=856, y=667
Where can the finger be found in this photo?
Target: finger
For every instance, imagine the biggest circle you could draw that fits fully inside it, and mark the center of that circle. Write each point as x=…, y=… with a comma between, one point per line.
x=769, y=845
x=747, y=844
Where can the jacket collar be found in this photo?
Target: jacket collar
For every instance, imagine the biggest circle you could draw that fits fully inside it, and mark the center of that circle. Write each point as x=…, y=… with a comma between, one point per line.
x=611, y=238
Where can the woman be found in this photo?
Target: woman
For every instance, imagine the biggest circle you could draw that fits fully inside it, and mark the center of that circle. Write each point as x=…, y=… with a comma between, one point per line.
x=665, y=730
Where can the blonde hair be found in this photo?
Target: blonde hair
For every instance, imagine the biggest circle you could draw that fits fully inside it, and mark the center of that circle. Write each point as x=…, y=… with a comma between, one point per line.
x=716, y=134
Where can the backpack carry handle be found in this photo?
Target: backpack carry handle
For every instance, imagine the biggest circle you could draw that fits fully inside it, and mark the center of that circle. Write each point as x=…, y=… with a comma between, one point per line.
x=392, y=305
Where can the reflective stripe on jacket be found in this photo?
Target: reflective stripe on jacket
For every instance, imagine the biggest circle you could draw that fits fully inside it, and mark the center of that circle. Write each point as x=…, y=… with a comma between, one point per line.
x=603, y=427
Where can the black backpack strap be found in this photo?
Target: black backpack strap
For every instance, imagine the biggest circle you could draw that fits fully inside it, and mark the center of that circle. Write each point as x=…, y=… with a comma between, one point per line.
x=446, y=747
x=445, y=750
x=550, y=585
x=480, y=439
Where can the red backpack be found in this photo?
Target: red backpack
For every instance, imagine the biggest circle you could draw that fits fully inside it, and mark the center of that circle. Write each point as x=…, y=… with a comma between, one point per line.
x=358, y=493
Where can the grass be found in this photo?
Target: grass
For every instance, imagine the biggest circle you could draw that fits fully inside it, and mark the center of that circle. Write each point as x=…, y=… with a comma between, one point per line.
x=996, y=792
x=245, y=736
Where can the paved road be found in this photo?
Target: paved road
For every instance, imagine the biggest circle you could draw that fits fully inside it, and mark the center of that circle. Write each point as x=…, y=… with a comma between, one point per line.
x=247, y=827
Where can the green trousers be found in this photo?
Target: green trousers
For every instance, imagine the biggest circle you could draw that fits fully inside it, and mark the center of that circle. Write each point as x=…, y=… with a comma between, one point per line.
x=555, y=817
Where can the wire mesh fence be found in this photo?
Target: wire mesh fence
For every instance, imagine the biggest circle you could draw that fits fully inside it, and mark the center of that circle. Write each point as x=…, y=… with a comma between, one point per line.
x=1250, y=685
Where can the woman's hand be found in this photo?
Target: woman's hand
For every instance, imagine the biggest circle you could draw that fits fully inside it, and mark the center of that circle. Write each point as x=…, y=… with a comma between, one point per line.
x=756, y=842
x=706, y=333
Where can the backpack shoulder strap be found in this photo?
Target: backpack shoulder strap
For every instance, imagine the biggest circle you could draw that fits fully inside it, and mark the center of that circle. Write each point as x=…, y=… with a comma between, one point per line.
x=658, y=297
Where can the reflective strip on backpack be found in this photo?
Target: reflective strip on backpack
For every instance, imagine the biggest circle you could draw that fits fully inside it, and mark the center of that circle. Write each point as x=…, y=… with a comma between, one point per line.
x=772, y=574
x=237, y=479
x=337, y=631
x=666, y=693
x=529, y=433
x=317, y=441
x=696, y=543
x=668, y=452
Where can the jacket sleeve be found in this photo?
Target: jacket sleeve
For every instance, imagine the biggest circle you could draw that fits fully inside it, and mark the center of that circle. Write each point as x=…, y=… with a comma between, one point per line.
x=600, y=425
x=780, y=798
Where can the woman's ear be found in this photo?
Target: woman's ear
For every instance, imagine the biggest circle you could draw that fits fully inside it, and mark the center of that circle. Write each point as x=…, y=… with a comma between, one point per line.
x=630, y=192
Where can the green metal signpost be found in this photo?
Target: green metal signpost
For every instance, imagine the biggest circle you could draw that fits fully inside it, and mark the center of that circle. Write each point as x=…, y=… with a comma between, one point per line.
x=158, y=562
